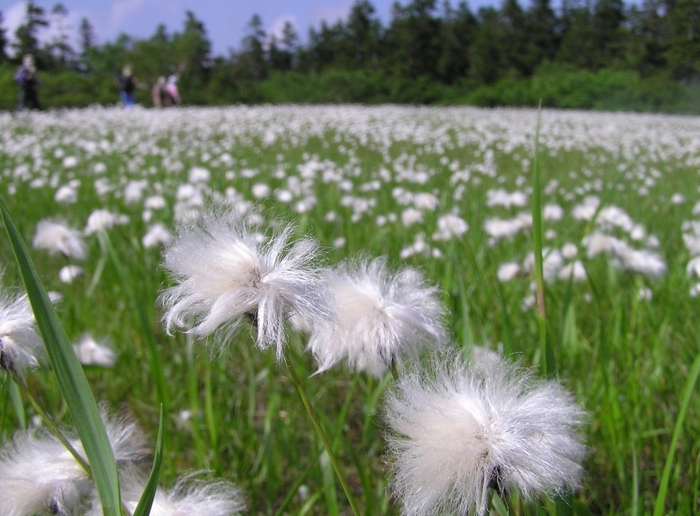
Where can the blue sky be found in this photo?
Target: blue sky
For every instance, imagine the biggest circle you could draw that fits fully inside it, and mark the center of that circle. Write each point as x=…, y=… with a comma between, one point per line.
x=225, y=20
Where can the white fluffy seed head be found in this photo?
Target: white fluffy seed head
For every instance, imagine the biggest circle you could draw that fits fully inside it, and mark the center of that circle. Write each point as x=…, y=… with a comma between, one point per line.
x=57, y=238
x=225, y=277
x=21, y=348
x=38, y=473
x=458, y=429
x=189, y=497
x=381, y=317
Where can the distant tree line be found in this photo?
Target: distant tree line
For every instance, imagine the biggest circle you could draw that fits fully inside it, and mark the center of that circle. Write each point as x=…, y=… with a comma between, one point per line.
x=427, y=53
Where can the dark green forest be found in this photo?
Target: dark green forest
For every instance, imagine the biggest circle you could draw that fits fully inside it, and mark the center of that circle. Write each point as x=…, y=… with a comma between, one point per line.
x=584, y=54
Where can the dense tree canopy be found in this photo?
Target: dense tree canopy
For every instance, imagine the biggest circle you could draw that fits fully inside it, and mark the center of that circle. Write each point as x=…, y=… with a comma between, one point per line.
x=425, y=45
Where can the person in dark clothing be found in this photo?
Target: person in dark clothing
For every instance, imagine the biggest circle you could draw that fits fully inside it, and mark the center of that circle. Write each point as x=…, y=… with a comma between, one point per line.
x=127, y=83
x=27, y=79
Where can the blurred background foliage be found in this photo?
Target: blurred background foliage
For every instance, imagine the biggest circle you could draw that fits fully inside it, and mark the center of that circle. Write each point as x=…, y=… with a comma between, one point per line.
x=599, y=54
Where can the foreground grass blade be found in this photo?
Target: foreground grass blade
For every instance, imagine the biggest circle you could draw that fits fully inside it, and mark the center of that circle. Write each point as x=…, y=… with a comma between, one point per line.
x=659, y=508
x=71, y=378
x=546, y=356
x=149, y=494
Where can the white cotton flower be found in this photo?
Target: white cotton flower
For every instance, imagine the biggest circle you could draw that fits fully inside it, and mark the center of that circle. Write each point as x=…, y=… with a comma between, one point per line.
x=695, y=290
x=552, y=212
x=458, y=430
x=102, y=220
x=57, y=238
x=70, y=161
x=645, y=294
x=226, y=277
x=198, y=175
x=574, y=271
x=552, y=263
x=21, y=348
x=38, y=473
x=66, y=194
x=450, y=226
x=508, y=271
x=642, y=262
x=69, y=273
x=189, y=497
x=411, y=216
x=569, y=250
x=157, y=235
x=155, y=202
x=92, y=352
x=381, y=317
x=597, y=243
x=693, y=267
x=260, y=190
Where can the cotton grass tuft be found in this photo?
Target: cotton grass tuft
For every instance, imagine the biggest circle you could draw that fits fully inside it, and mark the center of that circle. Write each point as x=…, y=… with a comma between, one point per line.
x=226, y=277
x=459, y=429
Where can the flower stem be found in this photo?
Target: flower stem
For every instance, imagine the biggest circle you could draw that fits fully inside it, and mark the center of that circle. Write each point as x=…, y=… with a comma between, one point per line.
x=322, y=434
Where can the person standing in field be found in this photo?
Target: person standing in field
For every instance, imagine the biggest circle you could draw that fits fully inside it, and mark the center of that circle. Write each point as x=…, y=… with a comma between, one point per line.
x=127, y=83
x=158, y=93
x=27, y=79
x=171, y=90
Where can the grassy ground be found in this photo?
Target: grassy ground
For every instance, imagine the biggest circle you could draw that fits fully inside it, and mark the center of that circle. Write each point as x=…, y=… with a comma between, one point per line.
x=342, y=173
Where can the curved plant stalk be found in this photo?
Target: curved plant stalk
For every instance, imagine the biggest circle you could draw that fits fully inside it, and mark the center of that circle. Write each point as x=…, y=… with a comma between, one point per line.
x=71, y=378
x=339, y=472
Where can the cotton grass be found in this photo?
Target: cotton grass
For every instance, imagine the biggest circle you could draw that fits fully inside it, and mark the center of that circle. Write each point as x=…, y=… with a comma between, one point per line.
x=458, y=429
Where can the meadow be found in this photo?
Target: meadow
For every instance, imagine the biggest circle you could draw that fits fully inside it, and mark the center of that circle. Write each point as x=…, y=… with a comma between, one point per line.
x=447, y=191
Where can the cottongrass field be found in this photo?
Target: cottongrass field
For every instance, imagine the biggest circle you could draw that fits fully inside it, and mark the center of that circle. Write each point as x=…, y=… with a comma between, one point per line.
x=445, y=195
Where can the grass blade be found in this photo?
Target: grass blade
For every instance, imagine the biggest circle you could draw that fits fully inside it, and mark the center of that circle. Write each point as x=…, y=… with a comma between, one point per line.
x=659, y=509
x=149, y=493
x=546, y=355
x=71, y=378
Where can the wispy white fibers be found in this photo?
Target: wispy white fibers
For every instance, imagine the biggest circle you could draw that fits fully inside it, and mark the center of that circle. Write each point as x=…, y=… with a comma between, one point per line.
x=70, y=272
x=189, y=497
x=93, y=352
x=381, y=317
x=156, y=235
x=225, y=276
x=21, y=348
x=38, y=473
x=459, y=429
x=57, y=238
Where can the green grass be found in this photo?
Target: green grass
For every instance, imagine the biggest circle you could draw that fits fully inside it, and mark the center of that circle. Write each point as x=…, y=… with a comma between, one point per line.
x=631, y=364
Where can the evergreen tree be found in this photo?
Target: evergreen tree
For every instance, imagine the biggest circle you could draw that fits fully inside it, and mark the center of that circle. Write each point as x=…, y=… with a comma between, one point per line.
x=578, y=46
x=683, y=52
x=87, y=37
x=517, y=51
x=458, y=31
x=648, y=37
x=488, y=55
x=26, y=39
x=289, y=46
x=253, y=57
x=542, y=24
x=192, y=49
x=608, y=19
x=59, y=49
x=161, y=35
x=364, y=34
x=3, y=41
x=415, y=33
